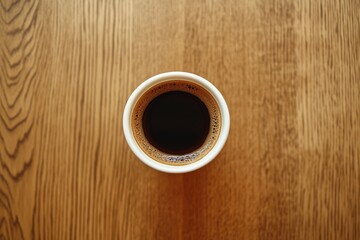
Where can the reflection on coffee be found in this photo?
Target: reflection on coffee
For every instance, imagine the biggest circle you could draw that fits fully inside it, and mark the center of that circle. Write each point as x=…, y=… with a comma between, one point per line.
x=176, y=122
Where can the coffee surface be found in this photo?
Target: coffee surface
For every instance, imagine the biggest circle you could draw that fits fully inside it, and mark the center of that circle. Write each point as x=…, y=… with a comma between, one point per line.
x=176, y=122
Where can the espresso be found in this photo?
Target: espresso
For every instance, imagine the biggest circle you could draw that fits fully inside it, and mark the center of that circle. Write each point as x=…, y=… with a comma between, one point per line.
x=176, y=122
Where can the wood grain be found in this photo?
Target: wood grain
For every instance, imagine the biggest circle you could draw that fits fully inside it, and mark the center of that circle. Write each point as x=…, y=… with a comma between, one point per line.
x=289, y=70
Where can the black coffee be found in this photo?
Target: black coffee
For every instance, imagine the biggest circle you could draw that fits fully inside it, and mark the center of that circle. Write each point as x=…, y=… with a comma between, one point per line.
x=176, y=122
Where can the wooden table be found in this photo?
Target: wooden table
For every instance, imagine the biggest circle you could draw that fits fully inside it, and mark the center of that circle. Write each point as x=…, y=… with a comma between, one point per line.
x=289, y=70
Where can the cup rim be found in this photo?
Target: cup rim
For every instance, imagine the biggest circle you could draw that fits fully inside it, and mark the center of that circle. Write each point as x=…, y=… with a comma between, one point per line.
x=163, y=77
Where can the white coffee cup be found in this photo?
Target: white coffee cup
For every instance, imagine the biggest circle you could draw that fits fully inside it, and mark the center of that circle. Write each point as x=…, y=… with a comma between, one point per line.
x=170, y=76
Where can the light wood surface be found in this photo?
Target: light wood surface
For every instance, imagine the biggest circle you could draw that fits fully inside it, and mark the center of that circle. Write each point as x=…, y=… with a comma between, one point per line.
x=289, y=70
